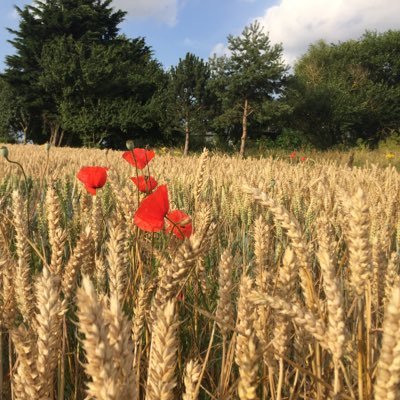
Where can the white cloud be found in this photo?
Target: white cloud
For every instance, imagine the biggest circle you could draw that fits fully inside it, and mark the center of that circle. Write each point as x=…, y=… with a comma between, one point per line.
x=220, y=49
x=296, y=24
x=163, y=10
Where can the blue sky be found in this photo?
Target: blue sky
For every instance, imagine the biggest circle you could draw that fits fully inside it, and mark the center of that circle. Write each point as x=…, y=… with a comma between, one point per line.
x=174, y=27
x=195, y=26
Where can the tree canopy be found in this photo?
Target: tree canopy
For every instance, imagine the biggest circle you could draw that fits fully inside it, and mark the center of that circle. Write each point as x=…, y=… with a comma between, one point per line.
x=251, y=75
x=348, y=91
x=190, y=97
x=74, y=79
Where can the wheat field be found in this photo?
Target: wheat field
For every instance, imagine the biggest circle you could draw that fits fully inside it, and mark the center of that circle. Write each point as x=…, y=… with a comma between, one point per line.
x=288, y=287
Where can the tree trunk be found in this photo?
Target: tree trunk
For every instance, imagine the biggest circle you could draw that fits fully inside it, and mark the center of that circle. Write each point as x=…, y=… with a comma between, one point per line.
x=187, y=138
x=24, y=126
x=244, y=128
x=60, y=139
x=25, y=139
x=54, y=133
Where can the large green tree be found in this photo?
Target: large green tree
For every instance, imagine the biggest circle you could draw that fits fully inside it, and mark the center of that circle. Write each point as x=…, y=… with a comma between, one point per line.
x=14, y=118
x=101, y=90
x=348, y=91
x=189, y=96
x=251, y=75
x=71, y=70
x=7, y=111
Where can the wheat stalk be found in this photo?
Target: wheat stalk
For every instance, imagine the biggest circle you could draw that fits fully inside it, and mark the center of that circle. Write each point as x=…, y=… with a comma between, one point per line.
x=117, y=260
x=48, y=322
x=225, y=310
x=82, y=255
x=246, y=354
x=23, y=285
x=191, y=378
x=388, y=369
x=164, y=347
x=99, y=366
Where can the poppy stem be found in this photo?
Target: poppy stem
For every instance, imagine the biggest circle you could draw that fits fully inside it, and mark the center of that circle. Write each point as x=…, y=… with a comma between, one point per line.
x=137, y=177
x=148, y=166
x=45, y=168
x=26, y=185
x=152, y=245
x=107, y=160
x=44, y=175
x=175, y=225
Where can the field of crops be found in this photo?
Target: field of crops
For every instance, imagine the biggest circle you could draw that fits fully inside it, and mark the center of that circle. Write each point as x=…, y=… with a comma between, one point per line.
x=277, y=279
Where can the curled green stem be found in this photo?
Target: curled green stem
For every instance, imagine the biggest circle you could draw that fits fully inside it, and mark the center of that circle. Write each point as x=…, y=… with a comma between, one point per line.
x=26, y=184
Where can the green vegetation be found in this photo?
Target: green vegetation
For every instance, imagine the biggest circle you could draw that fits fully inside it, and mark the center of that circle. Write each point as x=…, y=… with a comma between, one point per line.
x=189, y=96
x=248, y=80
x=348, y=92
x=75, y=80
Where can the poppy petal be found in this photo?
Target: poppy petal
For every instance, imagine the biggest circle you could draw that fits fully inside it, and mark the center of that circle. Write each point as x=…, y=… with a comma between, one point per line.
x=93, y=177
x=145, y=184
x=91, y=190
x=152, y=210
x=179, y=224
x=139, y=158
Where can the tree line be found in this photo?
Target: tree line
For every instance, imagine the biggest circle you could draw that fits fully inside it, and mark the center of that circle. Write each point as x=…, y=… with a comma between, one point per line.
x=74, y=79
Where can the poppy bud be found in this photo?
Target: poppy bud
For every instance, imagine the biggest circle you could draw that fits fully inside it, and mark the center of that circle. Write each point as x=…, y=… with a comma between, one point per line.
x=180, y=296
x=4, y=152
x=130, y=144
x=184, y=221
x=47, y=146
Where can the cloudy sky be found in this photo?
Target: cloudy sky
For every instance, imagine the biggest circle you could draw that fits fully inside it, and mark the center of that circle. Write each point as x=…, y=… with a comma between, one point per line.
x=174, y=27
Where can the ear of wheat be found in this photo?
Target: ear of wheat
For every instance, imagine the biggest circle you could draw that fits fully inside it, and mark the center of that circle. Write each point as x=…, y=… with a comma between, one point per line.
x=93, y=307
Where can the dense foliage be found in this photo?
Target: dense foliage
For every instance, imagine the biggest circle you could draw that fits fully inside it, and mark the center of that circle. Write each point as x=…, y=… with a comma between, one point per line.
x=249, y=80
x=75, y=80
x=189, y=96
x=348, y=92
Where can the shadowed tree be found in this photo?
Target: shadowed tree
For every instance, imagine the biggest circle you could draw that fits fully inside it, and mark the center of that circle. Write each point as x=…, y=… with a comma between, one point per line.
x=89, y=21
x=189, y=95
x=101, y=89
x=15, y=120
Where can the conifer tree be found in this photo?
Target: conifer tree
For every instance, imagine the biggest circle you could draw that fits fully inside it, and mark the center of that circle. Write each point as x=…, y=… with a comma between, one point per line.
x=190, y=95
x=87, y=21
x=250, y=75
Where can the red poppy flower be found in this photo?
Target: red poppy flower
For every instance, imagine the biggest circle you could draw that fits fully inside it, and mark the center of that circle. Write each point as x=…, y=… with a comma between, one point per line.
x=293, y=155
x=140, y=157
x=145, y=184
x=302, y=159
x=93, y=178
x=179, y=223
x=152, y=210
x=181, y=296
